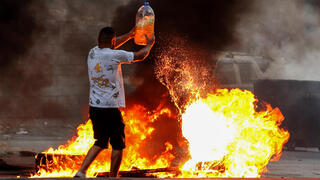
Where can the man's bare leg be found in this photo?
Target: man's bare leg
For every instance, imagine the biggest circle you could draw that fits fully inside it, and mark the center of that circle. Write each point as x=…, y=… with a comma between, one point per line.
x=92, y=154
x=116, y=157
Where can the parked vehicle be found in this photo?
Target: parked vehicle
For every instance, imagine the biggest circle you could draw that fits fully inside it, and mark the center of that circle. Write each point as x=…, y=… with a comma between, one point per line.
x=239, y=70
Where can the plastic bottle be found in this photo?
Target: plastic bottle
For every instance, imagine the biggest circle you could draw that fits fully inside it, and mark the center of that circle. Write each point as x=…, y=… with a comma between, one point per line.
x=144, y=24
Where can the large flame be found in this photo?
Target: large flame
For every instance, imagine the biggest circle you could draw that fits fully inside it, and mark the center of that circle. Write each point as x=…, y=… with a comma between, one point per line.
x=228, y=138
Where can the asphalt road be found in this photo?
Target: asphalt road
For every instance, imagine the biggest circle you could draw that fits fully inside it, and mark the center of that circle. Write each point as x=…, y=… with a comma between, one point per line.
x=17, y=158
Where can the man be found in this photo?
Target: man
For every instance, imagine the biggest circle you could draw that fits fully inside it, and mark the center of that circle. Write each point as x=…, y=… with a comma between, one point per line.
x=107, y=94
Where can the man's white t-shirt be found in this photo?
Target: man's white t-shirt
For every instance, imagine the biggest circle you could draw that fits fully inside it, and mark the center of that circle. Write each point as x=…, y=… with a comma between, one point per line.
x=105, y=76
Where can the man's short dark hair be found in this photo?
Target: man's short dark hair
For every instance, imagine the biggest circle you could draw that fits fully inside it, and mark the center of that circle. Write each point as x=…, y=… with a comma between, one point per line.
x=106, y=34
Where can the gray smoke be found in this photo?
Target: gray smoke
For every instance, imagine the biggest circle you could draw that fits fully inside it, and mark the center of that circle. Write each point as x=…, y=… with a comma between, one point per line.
x=43, y=73
x=24, y=71
x=287, y=33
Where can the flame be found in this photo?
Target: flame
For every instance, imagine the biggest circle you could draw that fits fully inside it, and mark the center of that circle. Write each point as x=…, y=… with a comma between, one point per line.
x=229, y=138
x=78, y=145
x=138, y=128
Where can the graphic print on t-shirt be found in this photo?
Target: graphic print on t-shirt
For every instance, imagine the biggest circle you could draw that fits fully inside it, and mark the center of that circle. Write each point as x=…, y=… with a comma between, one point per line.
x=116, y=95
x=98, y=68
x=99, y=81
x=110, y=68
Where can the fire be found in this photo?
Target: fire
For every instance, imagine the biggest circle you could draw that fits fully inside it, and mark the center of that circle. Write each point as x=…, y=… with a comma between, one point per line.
x=228, y=134
x=229, y=138
x=138, y=128
x=79, y=145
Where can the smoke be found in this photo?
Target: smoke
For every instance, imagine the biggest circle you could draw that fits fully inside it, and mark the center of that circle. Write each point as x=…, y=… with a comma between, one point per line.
x=23, y=74
x=82, y=21
x=43, y=71
x=17, y=23
x=287, y=33
x=17, y=29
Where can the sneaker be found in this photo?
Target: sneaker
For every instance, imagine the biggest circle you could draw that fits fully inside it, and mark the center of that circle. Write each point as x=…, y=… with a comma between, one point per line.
x=79, y=175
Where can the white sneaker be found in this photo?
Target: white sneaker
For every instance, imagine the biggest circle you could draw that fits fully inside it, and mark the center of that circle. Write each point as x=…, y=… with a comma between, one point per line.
x=79, y=175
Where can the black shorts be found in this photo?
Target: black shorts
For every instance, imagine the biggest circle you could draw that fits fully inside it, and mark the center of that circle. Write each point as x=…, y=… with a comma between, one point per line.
x=107, y=124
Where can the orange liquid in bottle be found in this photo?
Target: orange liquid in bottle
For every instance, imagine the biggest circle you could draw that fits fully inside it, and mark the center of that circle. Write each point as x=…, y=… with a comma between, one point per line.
x=140, y=33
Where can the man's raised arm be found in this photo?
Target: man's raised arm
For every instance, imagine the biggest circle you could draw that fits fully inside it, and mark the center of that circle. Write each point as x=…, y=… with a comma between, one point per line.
x=124, y=38
x=144, y=52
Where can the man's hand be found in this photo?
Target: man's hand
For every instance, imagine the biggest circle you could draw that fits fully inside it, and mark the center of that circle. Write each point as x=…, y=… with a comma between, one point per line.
x=150, y=41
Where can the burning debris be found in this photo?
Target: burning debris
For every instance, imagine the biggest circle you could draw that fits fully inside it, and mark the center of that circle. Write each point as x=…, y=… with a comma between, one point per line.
x=227, y=132
x=227, y=138
x=240, y=139
x=63, y=163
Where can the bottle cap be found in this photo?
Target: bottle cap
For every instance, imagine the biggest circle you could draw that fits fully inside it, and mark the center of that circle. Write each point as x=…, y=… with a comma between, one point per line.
x=146, y=3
